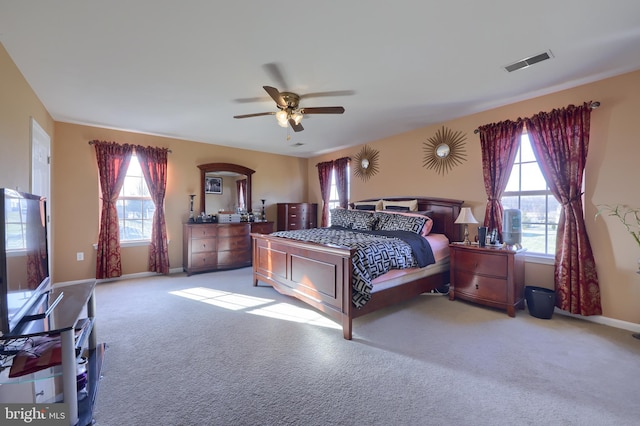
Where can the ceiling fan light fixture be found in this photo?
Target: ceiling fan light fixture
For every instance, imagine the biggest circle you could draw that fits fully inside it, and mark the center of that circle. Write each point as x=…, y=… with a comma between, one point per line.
x=297, y=117
x=283, y=118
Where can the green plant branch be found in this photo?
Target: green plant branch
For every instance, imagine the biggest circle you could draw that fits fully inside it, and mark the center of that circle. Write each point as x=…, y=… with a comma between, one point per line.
x=628, y=216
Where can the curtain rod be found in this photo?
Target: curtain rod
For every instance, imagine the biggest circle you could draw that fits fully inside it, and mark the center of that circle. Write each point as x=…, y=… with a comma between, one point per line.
x=594, y=105
x=168, y=150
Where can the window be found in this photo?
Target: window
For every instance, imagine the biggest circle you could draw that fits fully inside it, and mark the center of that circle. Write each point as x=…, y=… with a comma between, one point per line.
x=527, y=190
x=334, y=201
x=134, y=205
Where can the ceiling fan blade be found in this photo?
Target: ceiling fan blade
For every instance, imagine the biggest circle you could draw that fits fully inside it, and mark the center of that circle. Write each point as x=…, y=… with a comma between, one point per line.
x=275, y=95
x=251, y=100
x=323, y=110
x=296, y=127
x=274, y=71
x=328, y=94
x=258, y=114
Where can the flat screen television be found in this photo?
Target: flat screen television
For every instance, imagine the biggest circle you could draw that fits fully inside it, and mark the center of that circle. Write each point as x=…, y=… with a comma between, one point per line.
x=24, y=262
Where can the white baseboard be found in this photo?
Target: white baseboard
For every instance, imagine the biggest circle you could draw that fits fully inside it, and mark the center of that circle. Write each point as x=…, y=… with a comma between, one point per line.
x=599, y=319
x=120, y=278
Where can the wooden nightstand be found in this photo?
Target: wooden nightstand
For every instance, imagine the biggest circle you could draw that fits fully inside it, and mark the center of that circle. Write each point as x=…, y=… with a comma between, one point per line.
x=492, y=276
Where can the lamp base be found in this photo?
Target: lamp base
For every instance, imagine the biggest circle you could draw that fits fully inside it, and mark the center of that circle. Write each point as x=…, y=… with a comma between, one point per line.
x=466, y=241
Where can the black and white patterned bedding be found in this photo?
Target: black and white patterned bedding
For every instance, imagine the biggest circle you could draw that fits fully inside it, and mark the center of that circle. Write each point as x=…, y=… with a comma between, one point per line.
x=377, y=252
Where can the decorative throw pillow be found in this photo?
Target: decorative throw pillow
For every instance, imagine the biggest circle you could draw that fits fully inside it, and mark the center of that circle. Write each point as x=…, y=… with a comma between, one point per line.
x=412, y=204
x=401, y=222
x=364, y=222
x=426, y=213
x=340, y=217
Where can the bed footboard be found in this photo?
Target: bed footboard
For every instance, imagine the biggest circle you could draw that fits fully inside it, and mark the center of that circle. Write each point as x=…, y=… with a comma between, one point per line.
x=316, y=274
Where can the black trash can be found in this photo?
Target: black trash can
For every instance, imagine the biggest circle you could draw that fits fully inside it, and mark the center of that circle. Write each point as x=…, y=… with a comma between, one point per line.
x=540, y=301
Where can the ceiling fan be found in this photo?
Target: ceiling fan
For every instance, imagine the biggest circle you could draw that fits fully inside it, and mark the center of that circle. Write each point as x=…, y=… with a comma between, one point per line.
x=290, y=112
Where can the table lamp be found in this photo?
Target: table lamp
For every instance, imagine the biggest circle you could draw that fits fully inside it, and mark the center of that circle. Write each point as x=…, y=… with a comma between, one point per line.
x=466, y=217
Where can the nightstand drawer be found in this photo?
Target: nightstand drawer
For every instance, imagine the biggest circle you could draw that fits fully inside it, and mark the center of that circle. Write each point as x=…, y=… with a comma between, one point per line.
x=480, y=287
x=481, y=263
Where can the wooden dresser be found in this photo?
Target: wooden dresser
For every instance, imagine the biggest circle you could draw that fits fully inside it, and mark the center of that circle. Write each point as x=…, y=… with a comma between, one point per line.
x=492, y=276
x=212, y=246
x=292, y=216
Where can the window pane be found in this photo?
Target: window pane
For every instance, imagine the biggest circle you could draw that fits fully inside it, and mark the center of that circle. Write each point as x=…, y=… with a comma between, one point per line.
x=534, y=209
x=554, y=210
x=510, y=202
x=532, y=179
x=120, y=208
x=148, y=209
x=534, y=238
x=513, y=184
x=526, y=150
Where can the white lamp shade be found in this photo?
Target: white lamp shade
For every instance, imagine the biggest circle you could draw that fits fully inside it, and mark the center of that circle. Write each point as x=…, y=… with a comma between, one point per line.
x=283, y=118
x=466, y=216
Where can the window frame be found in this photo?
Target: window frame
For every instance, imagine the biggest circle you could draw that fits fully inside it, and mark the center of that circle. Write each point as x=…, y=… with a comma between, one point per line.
x=121, y=206
x=335, y=202
x=538, y=257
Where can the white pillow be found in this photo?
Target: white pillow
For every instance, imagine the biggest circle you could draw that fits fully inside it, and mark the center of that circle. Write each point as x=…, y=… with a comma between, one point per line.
x=412, y=204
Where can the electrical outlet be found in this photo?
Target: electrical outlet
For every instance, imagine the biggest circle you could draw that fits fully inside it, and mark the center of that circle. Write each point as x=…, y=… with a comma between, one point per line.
x=79, y=256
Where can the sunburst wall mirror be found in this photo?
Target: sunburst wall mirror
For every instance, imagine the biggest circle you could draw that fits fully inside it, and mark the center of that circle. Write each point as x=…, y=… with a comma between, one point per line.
x=444, y=150
x=366, y=163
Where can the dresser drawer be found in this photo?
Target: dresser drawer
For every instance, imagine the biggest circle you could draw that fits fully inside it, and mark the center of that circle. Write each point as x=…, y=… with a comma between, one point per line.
x=203, y=231
x=234, y=243
x=203, y=245
x=203, y=260
x=233, y=230
x=481, y=263
x=233, y=258
x=479, y=287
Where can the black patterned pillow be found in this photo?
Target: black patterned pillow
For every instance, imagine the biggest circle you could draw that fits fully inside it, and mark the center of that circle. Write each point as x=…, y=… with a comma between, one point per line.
x=397, y=222
x=340, y=217
x=363, y=221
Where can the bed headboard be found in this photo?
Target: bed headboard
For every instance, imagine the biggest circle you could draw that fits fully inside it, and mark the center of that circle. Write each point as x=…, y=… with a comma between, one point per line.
x=445, y=211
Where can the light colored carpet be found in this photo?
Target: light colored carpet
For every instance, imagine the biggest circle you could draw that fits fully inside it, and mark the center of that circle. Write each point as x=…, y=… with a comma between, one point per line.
x=216, y=359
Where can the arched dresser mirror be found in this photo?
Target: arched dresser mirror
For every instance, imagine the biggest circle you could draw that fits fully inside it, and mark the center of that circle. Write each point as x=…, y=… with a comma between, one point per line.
x=218, y=187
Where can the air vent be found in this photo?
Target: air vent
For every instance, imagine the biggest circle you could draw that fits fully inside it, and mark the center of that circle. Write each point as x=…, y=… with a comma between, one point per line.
x=527, y=62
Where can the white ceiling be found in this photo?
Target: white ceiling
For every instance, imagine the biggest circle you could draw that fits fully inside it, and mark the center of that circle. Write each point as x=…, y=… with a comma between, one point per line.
x=183, y=69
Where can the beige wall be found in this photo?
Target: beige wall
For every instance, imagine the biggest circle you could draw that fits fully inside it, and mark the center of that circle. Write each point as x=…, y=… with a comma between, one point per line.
x=18, y=104
x=75, y=193
x=611, y=174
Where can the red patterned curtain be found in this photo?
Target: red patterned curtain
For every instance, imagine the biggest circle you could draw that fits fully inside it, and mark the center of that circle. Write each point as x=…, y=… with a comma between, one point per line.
x=113, y=162
x=560, y=141
x=324, y=175
x=241, y=191
x=499, y=145
x=341, y=166
x=153, y=162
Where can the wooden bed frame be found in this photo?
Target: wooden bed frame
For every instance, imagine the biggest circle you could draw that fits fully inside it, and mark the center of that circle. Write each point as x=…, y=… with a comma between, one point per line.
x=320, y=275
